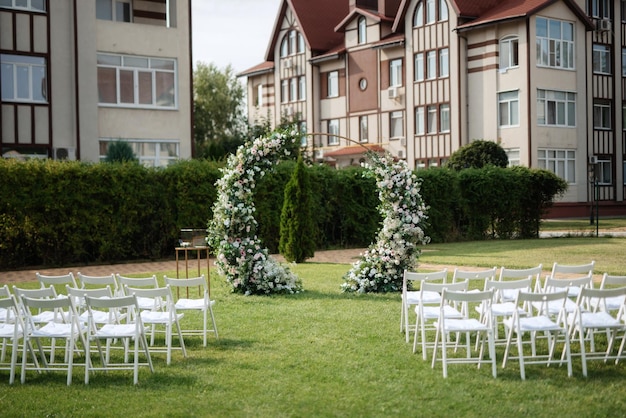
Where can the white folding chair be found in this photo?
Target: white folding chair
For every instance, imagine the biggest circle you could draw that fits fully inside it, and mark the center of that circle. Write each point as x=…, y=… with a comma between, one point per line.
x=202, y=303
x=42, y=315
x=585, y=324
x=69, y=328
x=410, y=296
x=502, y=307
x=428, y=313
x=608, y=282
x=570, y=271
x=11, y=332
x=129, y=330
x=535, y=324
x=553, y=285
x=139, y=282
x=163, y=313
x=476, y=278
x=483, y=328
x=506, y=274
x=60, y=280
x=78, y=295
x=99, y=282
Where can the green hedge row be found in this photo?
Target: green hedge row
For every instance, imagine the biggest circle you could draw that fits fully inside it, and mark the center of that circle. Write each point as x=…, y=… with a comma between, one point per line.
x=62, y=213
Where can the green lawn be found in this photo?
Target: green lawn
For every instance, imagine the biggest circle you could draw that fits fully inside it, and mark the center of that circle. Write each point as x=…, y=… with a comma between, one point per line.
x=323, y=353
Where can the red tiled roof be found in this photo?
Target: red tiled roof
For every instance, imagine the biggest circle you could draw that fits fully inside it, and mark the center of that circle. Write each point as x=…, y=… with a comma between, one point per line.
x=354, y=150
x=263, y=67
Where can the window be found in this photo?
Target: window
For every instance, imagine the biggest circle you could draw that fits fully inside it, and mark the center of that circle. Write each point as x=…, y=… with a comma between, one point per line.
x=133, y=81
x=32, y=5
x=418, y=17
x=362, y=31
x=117, y=10
x=443, y=10
x=602, y=115
x=624, y=116
x=556, y=108
x=292, y=43
x=333, y=129
x=560, y=161
x=508, y=108
x=509, y=52
x=284, y=47
x=600, y=9
x=23, y=78
x=259, y=95
x=419, y=120
x=513, y=156
x=396, y=122
x=151, y=153
x=444, y=68
x=624, y=60
x=601, y=59
x=431, y=120
x=303, y=138
x=284, y=91
x=300, y=43
x=395, y=73
x=624, y=169
x=419, y=66
x=555, y=43
x=444, y=118
x=363, y=134
x=302, y=88
x=293, y=89
x=431, y=64
x=333, y=84
x=430, y=11
x=604, y=170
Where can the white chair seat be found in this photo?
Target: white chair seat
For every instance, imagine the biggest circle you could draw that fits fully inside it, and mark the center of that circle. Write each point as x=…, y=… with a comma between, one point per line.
x=158, y=317
x=612, y=304
x=432, y=312
x=599, y=320
x=464, y=325
x=55, y=330
x=555, y=306
x=7, y=330
x=116, y=330
x=535, y=323
x=428, y=297
x=197, y=304
x=504, y=309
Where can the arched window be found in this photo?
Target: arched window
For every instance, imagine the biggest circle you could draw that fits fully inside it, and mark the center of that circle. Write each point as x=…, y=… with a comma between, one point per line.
x=418, y=18
x=284, y=47
x=300, y=43
x=362, y=30
x=430, y=11
x=443, y=10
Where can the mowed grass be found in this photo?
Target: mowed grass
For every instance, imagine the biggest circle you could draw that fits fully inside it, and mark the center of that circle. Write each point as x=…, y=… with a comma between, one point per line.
x=323, y=353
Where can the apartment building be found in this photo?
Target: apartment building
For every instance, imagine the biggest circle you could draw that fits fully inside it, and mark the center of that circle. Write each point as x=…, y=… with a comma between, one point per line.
x=420, y=78
x=78, y=74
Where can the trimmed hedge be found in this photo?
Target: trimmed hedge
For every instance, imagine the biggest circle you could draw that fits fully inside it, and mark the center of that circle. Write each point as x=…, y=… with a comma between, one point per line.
x=62, y=213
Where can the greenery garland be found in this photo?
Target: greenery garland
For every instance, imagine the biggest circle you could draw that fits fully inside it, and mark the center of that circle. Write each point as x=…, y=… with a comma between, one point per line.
x=381, y=267
x=232, y=232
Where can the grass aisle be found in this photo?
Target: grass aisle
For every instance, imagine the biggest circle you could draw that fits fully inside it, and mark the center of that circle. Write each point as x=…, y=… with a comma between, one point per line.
x=318, y=354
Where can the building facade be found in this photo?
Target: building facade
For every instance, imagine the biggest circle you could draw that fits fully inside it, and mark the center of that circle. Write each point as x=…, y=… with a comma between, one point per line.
x=76, y=75
x=420, y=78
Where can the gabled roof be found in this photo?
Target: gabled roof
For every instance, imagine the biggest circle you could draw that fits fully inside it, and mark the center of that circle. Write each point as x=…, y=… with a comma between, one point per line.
x=374, y=15
x=354, y=150
x=262, y=68
x=317, y=20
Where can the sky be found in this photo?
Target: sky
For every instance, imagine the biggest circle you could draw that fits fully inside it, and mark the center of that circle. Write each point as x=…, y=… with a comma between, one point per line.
x=232, y=32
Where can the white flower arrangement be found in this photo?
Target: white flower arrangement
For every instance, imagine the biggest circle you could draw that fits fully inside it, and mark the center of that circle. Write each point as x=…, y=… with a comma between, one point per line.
x=241, y=257
x=381, y=267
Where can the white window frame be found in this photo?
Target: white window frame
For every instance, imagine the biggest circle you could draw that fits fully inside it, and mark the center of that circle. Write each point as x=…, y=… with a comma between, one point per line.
x=156, y=159
x=443, y=11
x=301, y=45
x=420, y=122
x=284, y=90
x=333, y=130
x=513, y=155
x=333, y=84
x=259, y=95
x=431, y=65
x=601, y=59
x=509, y=52
x=152, y=66
x=418, y=17
x=15, y=69
x=604, y=170
x=39, y=5
x=431, y=12
x=444, y=63
x=561, y=162
x=395, y=72
x=293, y=89
x=362, y=30
x=419, y=67
x=444, y=117
x=115, y=8
x=556, y=108
x=554, y=49
x=396, y=124
x=363, y=129
x=600, y=9
x=602, y=115
x=508, y=103
x=302, y=88
x=431, y=119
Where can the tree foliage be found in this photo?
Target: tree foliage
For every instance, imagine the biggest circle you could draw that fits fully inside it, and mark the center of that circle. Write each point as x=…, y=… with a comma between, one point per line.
x=297, y=227
x=478, y=154
x=219, y=117
x=120, y=152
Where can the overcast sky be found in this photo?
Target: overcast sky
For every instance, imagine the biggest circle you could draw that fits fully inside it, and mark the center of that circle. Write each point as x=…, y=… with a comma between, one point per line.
x=235, y=32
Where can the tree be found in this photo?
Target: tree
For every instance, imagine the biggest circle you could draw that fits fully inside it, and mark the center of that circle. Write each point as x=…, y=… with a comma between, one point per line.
x=477, y=154
x=120, y=152
x=219, y=118
x=297, y=229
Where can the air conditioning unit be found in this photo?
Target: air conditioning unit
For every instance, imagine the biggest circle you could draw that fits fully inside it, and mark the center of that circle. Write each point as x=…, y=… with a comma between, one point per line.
x=288, y=63
x=603, y=25
x=289, y=111
x=593, y=159
x=319, y=153
x=401, y=153
x=64, y=154
x=403, y=142
x=392, y=92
